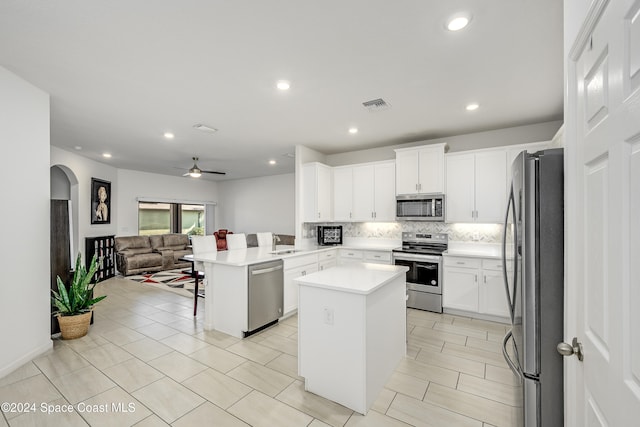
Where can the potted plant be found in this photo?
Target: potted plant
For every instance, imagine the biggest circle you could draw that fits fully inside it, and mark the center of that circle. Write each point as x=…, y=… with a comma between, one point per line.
x=74, y=305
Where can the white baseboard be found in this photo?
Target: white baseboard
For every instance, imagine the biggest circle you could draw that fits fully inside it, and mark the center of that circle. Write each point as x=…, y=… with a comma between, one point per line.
x=7, y=369
x=475, y=315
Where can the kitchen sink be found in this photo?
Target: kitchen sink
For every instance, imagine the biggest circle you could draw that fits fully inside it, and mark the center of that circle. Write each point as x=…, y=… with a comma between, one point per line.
x=283, y=251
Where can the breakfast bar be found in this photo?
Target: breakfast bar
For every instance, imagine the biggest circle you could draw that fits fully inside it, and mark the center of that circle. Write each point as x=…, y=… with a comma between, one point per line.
x=351, y=331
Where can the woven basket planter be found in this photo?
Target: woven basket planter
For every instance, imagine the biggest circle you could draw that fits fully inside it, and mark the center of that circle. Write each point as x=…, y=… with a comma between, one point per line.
x=72, y=327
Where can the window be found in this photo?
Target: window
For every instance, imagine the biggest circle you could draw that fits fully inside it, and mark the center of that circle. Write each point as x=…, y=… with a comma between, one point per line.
x=161, y=218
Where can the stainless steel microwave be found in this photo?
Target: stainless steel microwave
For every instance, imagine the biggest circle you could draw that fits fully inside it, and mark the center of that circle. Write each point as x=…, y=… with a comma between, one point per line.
x=420, y=207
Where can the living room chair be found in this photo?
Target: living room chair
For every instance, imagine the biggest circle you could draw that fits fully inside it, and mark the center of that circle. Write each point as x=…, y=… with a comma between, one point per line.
x=265, y=239
x=236, y=241
x=200, y=245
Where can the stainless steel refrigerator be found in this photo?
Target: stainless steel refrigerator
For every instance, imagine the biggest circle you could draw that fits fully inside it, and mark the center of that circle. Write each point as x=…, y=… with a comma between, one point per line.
x=533, y=263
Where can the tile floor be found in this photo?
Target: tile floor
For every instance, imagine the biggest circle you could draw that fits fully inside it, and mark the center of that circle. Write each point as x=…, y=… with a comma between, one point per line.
x=147, y=362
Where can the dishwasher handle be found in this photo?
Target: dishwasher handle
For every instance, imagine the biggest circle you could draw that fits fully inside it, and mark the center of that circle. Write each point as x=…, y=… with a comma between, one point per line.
x=266, y=270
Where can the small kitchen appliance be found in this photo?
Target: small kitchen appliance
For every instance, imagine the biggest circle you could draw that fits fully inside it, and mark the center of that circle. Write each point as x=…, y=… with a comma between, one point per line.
x=329, y=235
x=422, y=253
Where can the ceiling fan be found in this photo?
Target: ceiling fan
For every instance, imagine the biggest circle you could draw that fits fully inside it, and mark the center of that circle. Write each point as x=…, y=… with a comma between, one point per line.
x=195, y=171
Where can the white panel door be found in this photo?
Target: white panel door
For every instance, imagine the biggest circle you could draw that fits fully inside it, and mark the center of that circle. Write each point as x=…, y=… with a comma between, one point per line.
x=460, y=194
x=363, y=193
x=384, y=192
x=491, y=184
x=406, y=172
x=342, y=193
x=602, y=209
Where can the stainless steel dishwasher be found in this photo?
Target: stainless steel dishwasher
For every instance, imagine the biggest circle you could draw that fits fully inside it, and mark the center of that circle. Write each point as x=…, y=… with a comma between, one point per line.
x=266, y=294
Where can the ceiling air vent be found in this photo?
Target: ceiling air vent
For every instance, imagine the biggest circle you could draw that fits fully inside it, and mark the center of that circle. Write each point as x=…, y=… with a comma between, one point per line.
x=376, y=105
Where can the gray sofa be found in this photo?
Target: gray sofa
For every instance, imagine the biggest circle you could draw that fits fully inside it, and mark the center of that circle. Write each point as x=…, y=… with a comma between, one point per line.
x=141, y=254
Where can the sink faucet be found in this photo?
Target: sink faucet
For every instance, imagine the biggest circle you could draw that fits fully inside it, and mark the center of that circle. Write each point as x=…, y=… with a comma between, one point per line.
x=273, y=242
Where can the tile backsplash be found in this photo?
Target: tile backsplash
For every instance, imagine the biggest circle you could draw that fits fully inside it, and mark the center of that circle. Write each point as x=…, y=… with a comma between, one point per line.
x=485, y=233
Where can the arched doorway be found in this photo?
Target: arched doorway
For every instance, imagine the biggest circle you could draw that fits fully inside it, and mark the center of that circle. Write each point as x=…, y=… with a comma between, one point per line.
x=63, y=226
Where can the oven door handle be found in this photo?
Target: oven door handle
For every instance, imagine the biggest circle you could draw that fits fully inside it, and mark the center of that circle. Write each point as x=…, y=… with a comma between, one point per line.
x=411, y=257
x=427, y=267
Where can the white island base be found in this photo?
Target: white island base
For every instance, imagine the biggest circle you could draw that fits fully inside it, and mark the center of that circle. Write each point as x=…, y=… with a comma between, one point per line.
x=352, y=331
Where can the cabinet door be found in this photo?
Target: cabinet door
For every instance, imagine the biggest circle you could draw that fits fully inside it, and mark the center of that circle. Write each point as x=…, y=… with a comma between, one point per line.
x=460, y=193
x=460, y=288
x=493, y=298
x=324, y=192
x=407, y=172
x=309, y=193
x=431, y=173
x=323, y=265
x=342, y=194
x=363, y=193
x=291, y=287
x=491, y=184
x=384, y=192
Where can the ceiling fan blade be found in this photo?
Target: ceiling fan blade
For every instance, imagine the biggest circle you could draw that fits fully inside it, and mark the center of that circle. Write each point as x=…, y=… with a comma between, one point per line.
x=216, y=172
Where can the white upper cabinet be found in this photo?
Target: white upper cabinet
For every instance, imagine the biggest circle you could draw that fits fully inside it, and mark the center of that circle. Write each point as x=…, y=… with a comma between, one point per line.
x=420, y=170
x=374, y=192
x=317, y=194
x=343, y=193
x=476, y=186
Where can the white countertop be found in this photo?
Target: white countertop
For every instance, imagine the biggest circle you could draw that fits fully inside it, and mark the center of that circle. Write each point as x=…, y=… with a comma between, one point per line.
x=353, y=278
x=474, y=250
x=249, y=256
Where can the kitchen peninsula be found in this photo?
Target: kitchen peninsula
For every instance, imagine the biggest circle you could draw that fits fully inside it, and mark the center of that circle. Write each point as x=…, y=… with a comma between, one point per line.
x=351, y=331
x=227, y=281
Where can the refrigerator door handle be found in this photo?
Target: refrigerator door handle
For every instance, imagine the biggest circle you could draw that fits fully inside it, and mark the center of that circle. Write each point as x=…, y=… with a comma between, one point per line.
x=510, y=298
x=510, y=362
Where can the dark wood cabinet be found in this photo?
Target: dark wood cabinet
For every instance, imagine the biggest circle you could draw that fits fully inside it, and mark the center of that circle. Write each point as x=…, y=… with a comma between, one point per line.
x=104, y=248
x=60, y=250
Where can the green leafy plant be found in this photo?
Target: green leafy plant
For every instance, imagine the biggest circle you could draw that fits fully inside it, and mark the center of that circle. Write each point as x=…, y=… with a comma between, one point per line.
x=79, y=298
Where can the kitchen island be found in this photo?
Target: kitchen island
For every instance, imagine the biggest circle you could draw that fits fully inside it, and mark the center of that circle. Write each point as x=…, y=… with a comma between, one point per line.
x=351, y=331
x=227, y=293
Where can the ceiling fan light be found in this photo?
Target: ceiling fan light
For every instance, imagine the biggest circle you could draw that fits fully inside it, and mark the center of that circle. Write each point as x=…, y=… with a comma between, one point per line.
x=195, y=173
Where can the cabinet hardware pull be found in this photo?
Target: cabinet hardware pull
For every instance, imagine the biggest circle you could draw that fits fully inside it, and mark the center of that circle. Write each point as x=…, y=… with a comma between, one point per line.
x=476, y=278
x=460, y=262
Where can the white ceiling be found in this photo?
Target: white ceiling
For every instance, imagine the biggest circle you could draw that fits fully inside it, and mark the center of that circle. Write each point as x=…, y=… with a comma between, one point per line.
x=123, y=72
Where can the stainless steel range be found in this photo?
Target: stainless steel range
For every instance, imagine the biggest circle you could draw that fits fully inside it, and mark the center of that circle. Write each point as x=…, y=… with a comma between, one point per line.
x=422, y=253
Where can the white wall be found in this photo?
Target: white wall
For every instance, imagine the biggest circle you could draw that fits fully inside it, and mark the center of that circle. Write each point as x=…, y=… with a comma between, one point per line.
x=83, y=170
x=495, y=138
x=133, y=184
x=25, y=289
x=258, y=204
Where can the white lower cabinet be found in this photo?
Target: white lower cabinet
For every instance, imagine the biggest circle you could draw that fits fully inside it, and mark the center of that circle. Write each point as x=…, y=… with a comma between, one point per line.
x=460, y=283
x=327, y=259
x=295, y=267
x=474, y=285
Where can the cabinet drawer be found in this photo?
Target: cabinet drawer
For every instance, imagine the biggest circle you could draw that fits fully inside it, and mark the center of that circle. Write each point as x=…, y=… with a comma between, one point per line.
x=349, y=253
x=377, y=256
x=297, y=261
x=492, y=264
x=322, y=256
x=462, y=262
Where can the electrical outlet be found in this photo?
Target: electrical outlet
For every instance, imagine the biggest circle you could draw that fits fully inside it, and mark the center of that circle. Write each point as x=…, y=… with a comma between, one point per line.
x=476, y=236
x=328, y=316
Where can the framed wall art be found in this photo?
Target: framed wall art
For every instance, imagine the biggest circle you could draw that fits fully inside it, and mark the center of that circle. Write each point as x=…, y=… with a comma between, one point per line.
x=100, y=201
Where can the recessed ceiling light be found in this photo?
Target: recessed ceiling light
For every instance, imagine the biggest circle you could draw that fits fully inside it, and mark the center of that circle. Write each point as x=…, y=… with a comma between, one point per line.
x=204, y=128
x=283, y=85
x=353, y=130
x=77, y=147
x=458, y=22
x=472, y=107
x=169, y=135
x=272, y=162
x=106, y=155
